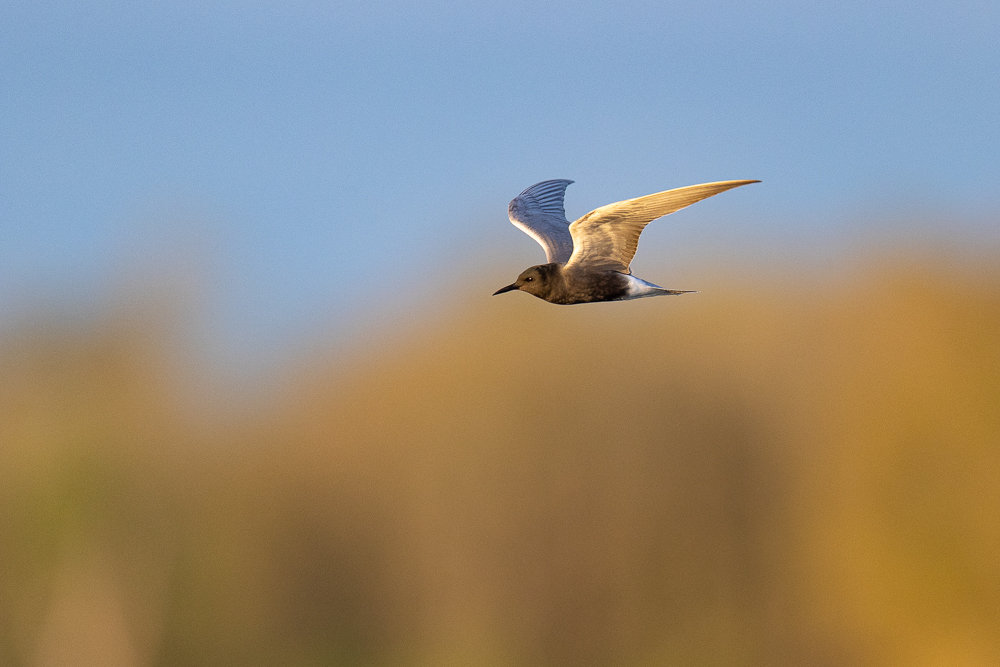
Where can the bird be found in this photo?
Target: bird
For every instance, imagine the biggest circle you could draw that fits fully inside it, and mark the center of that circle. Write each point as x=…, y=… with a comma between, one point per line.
x=588, y=260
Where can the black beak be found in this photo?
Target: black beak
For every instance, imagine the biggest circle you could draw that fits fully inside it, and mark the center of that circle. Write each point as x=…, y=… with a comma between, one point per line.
x=508, y=288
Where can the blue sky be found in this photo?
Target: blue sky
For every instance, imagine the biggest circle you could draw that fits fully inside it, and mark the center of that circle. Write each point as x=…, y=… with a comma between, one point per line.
x=305, y=163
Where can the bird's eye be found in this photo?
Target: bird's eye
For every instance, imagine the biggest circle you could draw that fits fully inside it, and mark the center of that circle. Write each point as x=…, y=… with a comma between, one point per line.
x=528, y=280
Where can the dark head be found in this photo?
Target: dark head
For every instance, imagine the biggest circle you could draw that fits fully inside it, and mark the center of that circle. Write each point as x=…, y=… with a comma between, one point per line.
x=538, y=280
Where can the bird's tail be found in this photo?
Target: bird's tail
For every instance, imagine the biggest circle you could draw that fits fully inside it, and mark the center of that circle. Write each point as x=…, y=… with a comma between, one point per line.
x=639, y=288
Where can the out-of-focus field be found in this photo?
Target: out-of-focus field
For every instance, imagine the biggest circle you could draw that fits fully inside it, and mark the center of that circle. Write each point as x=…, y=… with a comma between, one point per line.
x=749, y=476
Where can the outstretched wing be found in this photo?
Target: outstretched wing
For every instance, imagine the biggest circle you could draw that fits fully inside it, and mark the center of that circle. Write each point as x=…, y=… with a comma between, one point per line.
x=606, y=238
x=539, y=212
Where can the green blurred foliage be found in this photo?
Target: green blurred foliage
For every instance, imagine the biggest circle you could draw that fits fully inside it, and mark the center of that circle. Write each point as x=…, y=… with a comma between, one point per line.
x=747, y=476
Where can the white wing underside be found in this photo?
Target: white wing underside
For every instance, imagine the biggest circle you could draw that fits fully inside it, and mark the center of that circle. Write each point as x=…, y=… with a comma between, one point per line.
x=607, y=237
x=539, y=212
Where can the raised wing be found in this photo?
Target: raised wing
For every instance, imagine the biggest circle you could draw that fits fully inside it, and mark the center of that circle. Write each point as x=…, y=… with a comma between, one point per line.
x=606, y=238
x=539, y=212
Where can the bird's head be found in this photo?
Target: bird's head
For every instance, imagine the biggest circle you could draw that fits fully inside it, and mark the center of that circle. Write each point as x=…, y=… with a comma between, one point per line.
x=537, y=280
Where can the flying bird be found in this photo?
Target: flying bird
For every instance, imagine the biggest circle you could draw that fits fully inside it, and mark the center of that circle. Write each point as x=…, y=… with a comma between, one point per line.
x=589, y=259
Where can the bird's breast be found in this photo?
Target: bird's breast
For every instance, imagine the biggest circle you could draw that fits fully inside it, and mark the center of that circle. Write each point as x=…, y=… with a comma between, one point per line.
x=581, y=286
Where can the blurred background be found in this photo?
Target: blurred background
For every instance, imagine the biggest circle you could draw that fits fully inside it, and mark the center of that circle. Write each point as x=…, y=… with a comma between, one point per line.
x=257, y=406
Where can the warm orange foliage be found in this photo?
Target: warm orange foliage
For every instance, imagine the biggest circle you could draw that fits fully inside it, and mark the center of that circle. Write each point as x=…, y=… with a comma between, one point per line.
x=727, y=478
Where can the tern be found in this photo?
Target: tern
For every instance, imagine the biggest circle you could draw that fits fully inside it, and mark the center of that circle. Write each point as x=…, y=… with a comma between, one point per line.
x=589, y=260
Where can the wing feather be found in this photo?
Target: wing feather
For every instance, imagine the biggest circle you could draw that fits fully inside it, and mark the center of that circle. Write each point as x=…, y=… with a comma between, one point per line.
x=606, y=238
x=539, y=212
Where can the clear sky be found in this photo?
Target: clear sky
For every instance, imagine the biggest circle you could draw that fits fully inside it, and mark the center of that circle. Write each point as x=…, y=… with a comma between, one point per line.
x=309, y=162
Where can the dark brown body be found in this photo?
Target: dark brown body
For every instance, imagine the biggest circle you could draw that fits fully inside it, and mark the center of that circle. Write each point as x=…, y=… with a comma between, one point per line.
x=568, y=287
x=553, y=283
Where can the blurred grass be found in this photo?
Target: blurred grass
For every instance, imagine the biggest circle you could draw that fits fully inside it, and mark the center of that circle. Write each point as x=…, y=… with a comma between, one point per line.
x=740, y=477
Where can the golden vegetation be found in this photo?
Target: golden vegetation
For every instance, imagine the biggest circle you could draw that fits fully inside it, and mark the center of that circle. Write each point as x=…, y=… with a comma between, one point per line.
x=721, y=479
